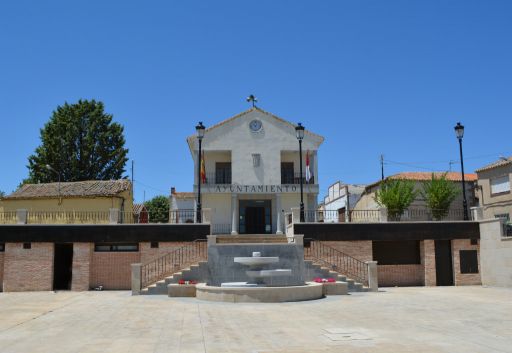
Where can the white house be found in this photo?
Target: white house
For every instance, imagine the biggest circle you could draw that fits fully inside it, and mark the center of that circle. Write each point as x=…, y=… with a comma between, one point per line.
x=252, y=172
x=340, y=199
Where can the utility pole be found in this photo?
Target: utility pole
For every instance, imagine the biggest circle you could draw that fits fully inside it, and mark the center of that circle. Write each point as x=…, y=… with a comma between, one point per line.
x=450, y=165
x=382, y=167
x=133, y=188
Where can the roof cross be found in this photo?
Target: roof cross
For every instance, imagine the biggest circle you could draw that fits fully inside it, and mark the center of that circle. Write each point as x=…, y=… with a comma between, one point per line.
x=252, y=99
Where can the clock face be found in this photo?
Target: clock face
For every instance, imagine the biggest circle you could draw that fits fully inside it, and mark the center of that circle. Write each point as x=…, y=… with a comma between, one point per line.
x=255, y=125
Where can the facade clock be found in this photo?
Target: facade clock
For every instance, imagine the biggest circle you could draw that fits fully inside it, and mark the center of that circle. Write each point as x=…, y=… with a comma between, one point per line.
x=255, y=125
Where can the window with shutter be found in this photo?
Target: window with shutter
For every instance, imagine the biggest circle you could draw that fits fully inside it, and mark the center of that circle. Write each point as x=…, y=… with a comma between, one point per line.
x=500, y=185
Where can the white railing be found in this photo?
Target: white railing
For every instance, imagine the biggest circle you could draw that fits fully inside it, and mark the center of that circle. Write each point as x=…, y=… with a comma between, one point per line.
x=372, y=216
x=112, y=216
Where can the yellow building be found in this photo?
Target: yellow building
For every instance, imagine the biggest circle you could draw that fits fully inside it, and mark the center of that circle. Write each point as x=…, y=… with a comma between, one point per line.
x=92, y=201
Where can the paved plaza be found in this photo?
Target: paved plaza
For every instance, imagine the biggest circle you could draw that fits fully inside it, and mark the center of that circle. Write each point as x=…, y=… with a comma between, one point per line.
x=449, y=319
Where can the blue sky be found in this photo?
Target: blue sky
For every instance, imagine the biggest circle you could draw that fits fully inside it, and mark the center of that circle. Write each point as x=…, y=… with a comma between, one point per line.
x=372, y=77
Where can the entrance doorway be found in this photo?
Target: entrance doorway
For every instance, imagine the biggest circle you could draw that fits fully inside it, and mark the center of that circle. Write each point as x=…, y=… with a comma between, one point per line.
x=255, y=217
x=255, y=220
x=444, y=267
x=62, y=266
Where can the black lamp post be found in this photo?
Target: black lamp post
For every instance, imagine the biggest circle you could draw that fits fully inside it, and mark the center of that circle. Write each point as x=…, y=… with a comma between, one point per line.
x=299, y=130
x=459, y=131
x=200, y=134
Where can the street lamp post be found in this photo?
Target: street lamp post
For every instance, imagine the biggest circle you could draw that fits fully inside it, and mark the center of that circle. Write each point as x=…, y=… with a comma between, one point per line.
x=299, y=130
x=50, y=168
x=459, y=131
x=200, y=134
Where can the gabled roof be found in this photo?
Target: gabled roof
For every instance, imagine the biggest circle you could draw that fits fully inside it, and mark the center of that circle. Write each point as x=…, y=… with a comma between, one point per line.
x=499, y=163
x=89, y=188
x=425, y=176
x=191, y=138
x=138, y=208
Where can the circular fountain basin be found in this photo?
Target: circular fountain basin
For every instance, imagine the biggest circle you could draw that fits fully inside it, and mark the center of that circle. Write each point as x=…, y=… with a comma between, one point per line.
x=308, y=291
x=268, y=273
x=256, y=260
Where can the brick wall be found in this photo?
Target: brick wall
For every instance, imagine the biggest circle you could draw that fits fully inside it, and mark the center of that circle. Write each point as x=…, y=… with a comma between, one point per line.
x=82, y=256
x=428, y=260
x=466, y=278
x=112, y=270
x=1, y=270
x=28, y=269
x=401, y=275
x=360, y=249
x=147, y=253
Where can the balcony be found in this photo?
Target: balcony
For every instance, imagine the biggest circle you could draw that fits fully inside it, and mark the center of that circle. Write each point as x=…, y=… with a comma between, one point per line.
x=222, y=176
x=295, y=178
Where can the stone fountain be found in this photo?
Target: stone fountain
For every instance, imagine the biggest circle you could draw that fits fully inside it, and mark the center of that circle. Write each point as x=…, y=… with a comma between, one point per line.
x=237, y=271
x=256, y=272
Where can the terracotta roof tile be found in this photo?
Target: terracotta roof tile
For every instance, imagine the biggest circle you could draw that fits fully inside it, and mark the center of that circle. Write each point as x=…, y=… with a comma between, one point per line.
x=184, y=195
x=499, y=163
x=89, y=188
x=425, y=176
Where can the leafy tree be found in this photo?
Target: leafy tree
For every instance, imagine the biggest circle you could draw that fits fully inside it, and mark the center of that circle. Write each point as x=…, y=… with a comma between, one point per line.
x=2, y=194
x=396, y=195
x=158, y=209
x=80, y=142
x=439, y=194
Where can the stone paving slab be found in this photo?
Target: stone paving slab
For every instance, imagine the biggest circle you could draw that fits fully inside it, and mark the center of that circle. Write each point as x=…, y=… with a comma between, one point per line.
x=439, y=319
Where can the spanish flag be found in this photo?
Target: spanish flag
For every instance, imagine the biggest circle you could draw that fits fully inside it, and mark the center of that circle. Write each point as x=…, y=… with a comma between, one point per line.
x=203, y=170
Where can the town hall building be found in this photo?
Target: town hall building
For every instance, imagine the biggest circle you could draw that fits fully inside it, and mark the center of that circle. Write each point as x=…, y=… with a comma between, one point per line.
x=251, y=172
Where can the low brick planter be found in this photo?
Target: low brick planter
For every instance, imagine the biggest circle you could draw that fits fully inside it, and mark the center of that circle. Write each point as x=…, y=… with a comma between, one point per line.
x=181, y=290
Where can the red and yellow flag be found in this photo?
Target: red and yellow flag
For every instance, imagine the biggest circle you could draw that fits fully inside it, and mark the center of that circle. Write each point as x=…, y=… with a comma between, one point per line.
x=203, y=170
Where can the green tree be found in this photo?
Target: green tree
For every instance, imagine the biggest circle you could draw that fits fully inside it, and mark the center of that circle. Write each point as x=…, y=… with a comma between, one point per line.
x=80, y=142
x=158, y=209
x=2, y=194
x=396, y=195
x=439, y=194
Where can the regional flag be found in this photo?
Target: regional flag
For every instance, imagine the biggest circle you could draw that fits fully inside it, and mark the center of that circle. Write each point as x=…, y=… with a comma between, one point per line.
x=308, y=170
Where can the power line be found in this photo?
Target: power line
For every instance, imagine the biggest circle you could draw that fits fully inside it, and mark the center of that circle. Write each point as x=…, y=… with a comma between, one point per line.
x=149, y=186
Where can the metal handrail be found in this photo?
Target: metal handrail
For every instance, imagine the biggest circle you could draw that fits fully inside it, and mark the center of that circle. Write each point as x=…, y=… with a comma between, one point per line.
x=164, y=266
x=338, y=261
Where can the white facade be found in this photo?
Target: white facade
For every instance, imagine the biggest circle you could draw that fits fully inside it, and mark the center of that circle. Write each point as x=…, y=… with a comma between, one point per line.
x=252, y=172
x=340, y=199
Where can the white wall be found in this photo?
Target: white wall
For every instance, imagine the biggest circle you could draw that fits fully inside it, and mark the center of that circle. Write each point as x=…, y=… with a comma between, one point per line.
x=495, y=255
x=275, y=136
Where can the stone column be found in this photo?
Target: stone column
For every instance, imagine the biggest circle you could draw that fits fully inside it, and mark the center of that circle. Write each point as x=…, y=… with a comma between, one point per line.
x=383, y=214
x=373, y=278
x=234, y=206
x=279, y=214
x=136, y=280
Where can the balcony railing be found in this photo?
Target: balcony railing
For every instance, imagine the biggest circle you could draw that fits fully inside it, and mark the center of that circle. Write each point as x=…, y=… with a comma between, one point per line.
x=294, y=178
x=112, y=216
x=218, y=177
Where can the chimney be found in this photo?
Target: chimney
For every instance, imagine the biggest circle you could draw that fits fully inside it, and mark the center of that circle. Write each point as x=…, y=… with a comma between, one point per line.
x=173, y=190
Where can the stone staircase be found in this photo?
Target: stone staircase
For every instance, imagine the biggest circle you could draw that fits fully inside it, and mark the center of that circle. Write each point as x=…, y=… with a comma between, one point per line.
x=314, y=270
x=199, y=272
